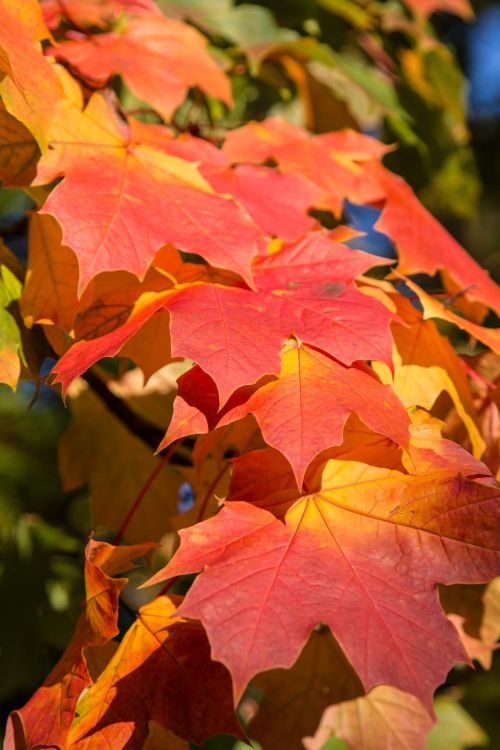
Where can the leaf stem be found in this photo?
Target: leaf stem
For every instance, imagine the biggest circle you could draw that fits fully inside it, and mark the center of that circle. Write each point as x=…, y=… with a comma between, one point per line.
x=168, y=586
x=144, y=490
x=477, y=376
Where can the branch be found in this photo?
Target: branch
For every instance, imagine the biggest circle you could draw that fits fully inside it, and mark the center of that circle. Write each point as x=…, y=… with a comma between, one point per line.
x=141, y=428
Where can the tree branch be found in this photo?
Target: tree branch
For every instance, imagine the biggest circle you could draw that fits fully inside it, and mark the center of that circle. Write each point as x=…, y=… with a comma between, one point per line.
x=141, y=428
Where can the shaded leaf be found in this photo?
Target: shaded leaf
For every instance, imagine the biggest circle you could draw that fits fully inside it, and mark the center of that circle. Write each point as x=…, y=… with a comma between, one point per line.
x=99, y=452
x=160, y=738
x=83, y=354
x=49, y=294
x=46, y=718
x=163, y=668
x=294, y=700
x=425, y=365
x=19, y=151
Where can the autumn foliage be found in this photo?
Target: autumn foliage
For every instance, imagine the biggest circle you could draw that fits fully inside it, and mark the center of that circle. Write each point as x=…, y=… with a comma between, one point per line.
x=333, y=436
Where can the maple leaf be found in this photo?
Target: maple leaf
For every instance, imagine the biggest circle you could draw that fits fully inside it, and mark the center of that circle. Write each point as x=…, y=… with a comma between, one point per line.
x=150, y=347
x=317, y=258
x=277, y=202
x=19, y=151
x=231, y=333
x=312, y=279
x=49, y=294
x=481, y=651
x=417, y=235
x=196, y=406
x=83, y=354
x=47, y=716
x=31, y=88
x=235, y=334
x=159, y=59
x=196, y=411
x=111, y=301
x=385, y=719
x=429, y=451
x=215, y=325
x=424, y=365
x=334, y=162
x=137, y=187
x=433, y=308
x=99, y=452
x=102, y=564
x=425, y=8
x=175, y=683
x=300, y=425
x=92, y=12
x=455, y=729
x=362, y=551
x=385, y=509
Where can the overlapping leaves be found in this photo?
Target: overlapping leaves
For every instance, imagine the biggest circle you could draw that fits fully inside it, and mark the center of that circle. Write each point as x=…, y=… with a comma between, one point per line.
x=157, y=246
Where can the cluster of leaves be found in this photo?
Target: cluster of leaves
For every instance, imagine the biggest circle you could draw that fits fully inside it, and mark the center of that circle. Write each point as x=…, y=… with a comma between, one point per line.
x=345, y=455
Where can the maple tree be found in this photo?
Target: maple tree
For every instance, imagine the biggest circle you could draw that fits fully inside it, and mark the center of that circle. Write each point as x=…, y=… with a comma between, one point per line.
x=308, y=394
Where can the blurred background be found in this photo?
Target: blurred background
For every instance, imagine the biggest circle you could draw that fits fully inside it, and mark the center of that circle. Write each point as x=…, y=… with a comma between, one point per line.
x=432, y=87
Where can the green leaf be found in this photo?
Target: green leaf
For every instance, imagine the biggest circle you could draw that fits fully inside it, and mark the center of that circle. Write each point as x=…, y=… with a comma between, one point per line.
x=11, y=352
x=455, y=729
x=350, y=11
